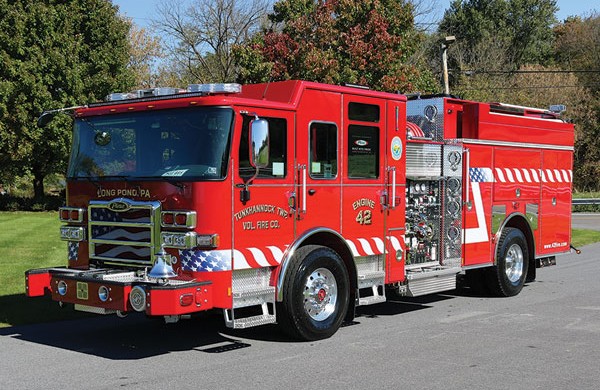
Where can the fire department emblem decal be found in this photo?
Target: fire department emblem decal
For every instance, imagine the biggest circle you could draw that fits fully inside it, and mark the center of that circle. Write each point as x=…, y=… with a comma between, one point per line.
x=396, y=148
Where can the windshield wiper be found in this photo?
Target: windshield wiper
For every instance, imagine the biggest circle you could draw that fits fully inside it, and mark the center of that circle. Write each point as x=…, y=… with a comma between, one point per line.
x=121, y=177
x=93, y=180
x=168, y=179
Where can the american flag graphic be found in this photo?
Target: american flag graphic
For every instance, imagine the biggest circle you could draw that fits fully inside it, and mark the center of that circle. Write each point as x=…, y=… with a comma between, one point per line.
x=481, y=175
x=131, y=238
x=73, y=248
x=106, y=215
x=197, y=261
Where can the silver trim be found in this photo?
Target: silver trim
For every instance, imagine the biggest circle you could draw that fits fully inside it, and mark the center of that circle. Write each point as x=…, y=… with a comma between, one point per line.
x=81, y=213
x=517, y=144
x=292, y=249
x=151, y=223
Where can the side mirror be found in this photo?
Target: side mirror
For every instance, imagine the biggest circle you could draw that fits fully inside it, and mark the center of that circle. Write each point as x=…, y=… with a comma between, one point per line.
x=45, y=118
x=259, y=143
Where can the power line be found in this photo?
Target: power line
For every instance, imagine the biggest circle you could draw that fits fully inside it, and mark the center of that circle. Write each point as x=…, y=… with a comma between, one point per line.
x=502, y=72
x=532, y=87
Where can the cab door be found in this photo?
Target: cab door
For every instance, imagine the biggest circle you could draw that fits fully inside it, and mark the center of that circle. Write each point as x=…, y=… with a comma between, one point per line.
x=263, y=223
x=318, y=164
x=364, y=179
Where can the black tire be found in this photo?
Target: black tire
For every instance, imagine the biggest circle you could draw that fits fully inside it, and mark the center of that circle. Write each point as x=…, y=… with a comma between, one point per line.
x=507, y=277
x=315, y=294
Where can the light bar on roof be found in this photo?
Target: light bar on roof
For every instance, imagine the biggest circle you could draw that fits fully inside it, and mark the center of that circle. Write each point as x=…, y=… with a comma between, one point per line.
x=143, y=93
x=215, y=88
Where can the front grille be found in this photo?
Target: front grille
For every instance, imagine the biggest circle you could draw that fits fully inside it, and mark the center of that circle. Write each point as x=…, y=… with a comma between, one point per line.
x=123, y=232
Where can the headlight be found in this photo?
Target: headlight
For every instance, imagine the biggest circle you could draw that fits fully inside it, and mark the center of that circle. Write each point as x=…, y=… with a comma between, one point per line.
x=71, y=214
x=61, y=287
x=103, y=293
x=72, y=233
x=178, y=240
x=178, y=219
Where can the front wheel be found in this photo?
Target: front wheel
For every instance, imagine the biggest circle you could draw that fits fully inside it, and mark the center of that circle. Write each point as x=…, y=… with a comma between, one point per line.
x=512, y=260
x=315, y=294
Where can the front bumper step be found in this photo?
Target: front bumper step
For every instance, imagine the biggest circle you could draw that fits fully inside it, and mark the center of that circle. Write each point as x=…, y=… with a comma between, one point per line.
x=105, y=291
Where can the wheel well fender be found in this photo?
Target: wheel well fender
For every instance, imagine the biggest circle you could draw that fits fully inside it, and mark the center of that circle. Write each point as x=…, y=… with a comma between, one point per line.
x=323, y=237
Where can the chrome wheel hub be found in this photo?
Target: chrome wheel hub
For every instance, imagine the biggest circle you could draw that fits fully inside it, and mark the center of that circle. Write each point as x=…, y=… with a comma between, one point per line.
x=514, y=263
x=320, y=294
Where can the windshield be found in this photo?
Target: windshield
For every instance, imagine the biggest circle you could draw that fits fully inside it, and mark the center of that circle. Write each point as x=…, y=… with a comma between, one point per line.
x=190, y=143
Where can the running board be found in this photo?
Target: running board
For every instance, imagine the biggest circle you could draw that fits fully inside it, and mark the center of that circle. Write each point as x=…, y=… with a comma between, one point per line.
x=430, y=280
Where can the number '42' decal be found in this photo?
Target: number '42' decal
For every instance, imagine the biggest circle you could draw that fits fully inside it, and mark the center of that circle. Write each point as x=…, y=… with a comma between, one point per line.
x=364, y=217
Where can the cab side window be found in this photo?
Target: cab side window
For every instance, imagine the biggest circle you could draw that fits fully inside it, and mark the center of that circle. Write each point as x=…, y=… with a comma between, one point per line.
x=363, y=152
x=363, y=141
x=277, y=150
x=323, y=150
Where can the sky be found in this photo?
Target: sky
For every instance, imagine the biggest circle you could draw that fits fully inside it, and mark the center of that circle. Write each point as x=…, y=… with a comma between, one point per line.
x=143, y=11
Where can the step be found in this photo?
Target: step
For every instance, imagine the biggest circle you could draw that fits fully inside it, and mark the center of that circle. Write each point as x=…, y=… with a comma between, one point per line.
x=431, y=281
x=430, y=272
x=371, y=275
x=93, y=309
x=249, y=322
x=253, y=296
x=371, y=278
x=373, y=299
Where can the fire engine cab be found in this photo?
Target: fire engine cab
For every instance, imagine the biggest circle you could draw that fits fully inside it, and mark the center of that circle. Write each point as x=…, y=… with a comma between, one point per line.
x=294, y=202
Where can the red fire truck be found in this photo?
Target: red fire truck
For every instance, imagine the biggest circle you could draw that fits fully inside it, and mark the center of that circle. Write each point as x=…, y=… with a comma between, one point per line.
x=294, y=202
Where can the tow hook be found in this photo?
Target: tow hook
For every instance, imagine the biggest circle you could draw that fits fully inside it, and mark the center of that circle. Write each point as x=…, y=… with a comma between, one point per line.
x=578, y=251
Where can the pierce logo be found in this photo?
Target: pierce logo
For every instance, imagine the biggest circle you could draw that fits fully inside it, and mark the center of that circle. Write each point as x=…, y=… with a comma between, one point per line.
x=119, y=206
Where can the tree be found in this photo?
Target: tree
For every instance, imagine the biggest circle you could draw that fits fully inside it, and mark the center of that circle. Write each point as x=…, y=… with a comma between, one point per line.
x=144, y=51
x=512, y=32
x=578, y=49
x=203, y=34
x=371, y=42
x=53, y=54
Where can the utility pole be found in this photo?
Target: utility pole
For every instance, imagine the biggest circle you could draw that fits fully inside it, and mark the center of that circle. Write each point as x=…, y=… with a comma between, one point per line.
x=447, y=41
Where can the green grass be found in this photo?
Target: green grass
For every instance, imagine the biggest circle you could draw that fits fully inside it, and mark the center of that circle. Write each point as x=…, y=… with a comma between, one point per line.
x=31, y=240
x=582, y=195
x=28, y=240
x=581, y=237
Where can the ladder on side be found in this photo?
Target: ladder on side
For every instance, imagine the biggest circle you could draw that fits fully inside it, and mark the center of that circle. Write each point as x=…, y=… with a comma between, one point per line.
x=371, y=280
x=251, y=289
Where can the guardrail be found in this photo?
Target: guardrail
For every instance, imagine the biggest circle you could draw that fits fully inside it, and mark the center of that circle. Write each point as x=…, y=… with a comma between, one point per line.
x=579, y=201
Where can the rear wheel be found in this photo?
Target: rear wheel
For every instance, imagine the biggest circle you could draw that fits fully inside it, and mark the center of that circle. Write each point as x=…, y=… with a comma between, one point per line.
x=512, y=260
x=315, y=294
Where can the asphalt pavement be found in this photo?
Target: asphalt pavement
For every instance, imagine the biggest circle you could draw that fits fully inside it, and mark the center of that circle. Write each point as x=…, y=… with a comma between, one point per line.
x=548, y=337
x=589, y=221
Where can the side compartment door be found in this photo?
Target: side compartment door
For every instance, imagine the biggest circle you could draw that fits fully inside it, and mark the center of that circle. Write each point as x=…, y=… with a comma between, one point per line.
x=478, y=189
x=395, y=190
x=555, y=210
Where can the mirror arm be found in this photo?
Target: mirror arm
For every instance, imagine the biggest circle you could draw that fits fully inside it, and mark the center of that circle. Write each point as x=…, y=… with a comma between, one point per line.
x=47, y=116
